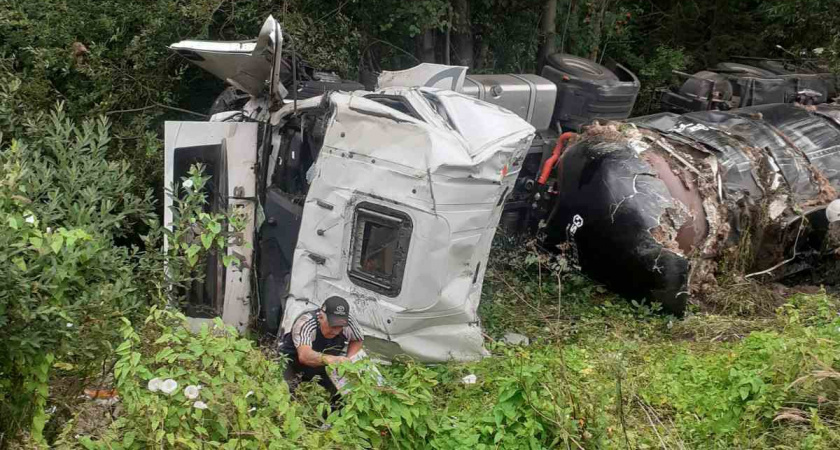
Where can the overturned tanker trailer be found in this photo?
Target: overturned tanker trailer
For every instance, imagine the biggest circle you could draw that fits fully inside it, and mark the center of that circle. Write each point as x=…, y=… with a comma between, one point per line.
x=651, y=207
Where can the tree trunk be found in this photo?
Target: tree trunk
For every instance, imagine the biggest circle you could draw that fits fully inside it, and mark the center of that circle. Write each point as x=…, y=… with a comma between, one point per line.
x=447, y=45
x=480, y=60
x=462, y=38
x=548, y=32
x=428, y=49
x=597, y=22
x=571, y=12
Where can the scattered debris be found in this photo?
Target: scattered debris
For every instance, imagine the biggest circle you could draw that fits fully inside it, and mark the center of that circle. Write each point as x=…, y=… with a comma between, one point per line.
x=469, y=379
x=832, y=212
x=516, y=339
x=100, y=393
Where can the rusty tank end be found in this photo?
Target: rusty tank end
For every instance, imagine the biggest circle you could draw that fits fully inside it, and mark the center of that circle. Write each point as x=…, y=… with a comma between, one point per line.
x=650, y=207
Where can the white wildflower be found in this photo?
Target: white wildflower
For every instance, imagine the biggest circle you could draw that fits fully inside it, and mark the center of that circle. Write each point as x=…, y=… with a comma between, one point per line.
x=819, y=50
x=169, y=386
x=252, y=409
x=30, y=219
x=187, y=183
x=154, y=384
x=199, y=405
x=191, y=392
x=69, y=325
x=49, y=230
x=250, y=393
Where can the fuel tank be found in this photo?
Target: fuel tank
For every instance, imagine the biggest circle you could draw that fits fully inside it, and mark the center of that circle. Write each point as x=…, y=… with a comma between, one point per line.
x=655, y=207
x=529, y=96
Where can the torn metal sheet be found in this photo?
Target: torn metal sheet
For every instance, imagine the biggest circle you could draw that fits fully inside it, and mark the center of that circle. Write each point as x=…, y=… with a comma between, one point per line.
x=425, y=75
x=653, y=224
x=244, y=64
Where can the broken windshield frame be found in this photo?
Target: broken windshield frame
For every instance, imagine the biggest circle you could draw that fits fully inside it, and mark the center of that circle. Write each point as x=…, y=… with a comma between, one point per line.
x=379, y=248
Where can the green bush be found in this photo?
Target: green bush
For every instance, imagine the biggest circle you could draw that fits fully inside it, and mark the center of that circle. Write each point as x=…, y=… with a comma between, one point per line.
x=192, y=236
x=376, y=414
x=64, y=284
x=657, y=73
x=228, y=394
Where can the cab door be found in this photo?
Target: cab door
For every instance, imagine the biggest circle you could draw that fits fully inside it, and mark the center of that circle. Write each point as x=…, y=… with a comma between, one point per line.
x=228, y=152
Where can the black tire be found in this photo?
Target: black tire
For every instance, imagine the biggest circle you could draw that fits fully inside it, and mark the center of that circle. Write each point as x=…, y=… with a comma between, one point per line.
x=697, y=87
x=580, y=67
x=231, y=99
x=776, y=67
x=738, y=69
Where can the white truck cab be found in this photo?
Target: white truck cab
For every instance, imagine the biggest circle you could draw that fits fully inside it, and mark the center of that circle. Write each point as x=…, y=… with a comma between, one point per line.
x=389, y=198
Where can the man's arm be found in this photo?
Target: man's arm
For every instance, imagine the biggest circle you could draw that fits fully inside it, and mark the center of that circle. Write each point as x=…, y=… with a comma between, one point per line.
x=311, y=358
x=353, y=347
x=353, y=333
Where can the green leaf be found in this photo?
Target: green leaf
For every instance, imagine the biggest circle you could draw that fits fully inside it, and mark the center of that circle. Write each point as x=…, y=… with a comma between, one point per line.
x=193, y=250
x=87, y=443
x=128, y=439
x=36, y=242
x=744, y=391
x=38, y=423
x=57, y=242
x=207, y=240
x=20, y=263
x=227, y=260
x=13, y=222
x=215, y=227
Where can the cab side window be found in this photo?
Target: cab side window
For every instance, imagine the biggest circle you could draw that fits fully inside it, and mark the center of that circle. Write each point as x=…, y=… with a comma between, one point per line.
x=379, y=247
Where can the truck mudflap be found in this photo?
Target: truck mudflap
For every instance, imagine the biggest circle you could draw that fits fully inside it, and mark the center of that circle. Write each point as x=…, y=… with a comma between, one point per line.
x=652, y=207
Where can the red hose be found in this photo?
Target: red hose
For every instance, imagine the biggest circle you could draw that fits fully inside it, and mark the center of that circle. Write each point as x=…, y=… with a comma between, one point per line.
x=555, y=155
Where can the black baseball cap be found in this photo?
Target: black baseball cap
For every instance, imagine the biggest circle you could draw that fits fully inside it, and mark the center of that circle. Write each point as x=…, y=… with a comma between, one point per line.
x=337, y=311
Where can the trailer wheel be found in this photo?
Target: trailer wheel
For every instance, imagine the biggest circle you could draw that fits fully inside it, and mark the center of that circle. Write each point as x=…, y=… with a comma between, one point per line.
x=777, y=67
x=697, y=87
x=739, y=69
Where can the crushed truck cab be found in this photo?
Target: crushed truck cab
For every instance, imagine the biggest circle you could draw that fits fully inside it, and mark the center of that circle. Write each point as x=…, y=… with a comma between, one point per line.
x=389, y=199
x=400, y=214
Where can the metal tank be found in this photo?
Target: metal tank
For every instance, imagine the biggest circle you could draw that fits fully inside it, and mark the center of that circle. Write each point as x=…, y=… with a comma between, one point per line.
x=655, y=207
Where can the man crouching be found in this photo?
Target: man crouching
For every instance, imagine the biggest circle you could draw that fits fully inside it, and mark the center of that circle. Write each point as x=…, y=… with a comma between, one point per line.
x=317, y=340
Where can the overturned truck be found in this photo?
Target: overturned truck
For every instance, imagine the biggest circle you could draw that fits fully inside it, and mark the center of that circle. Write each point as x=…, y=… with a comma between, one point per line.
x=391, y=197
x=653, y=206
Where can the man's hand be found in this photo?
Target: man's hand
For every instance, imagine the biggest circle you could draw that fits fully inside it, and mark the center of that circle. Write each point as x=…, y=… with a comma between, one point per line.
x=311, y=358
x=339, y=359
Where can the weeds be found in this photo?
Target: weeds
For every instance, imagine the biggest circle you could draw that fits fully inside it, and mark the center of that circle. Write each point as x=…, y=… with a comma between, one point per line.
x=758, y=370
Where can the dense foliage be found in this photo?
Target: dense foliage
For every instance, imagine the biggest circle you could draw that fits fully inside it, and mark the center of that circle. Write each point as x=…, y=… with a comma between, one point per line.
x=108, y=56
x=600, y=375
x=64, y=284
x=73, y=262
x=223, y=392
